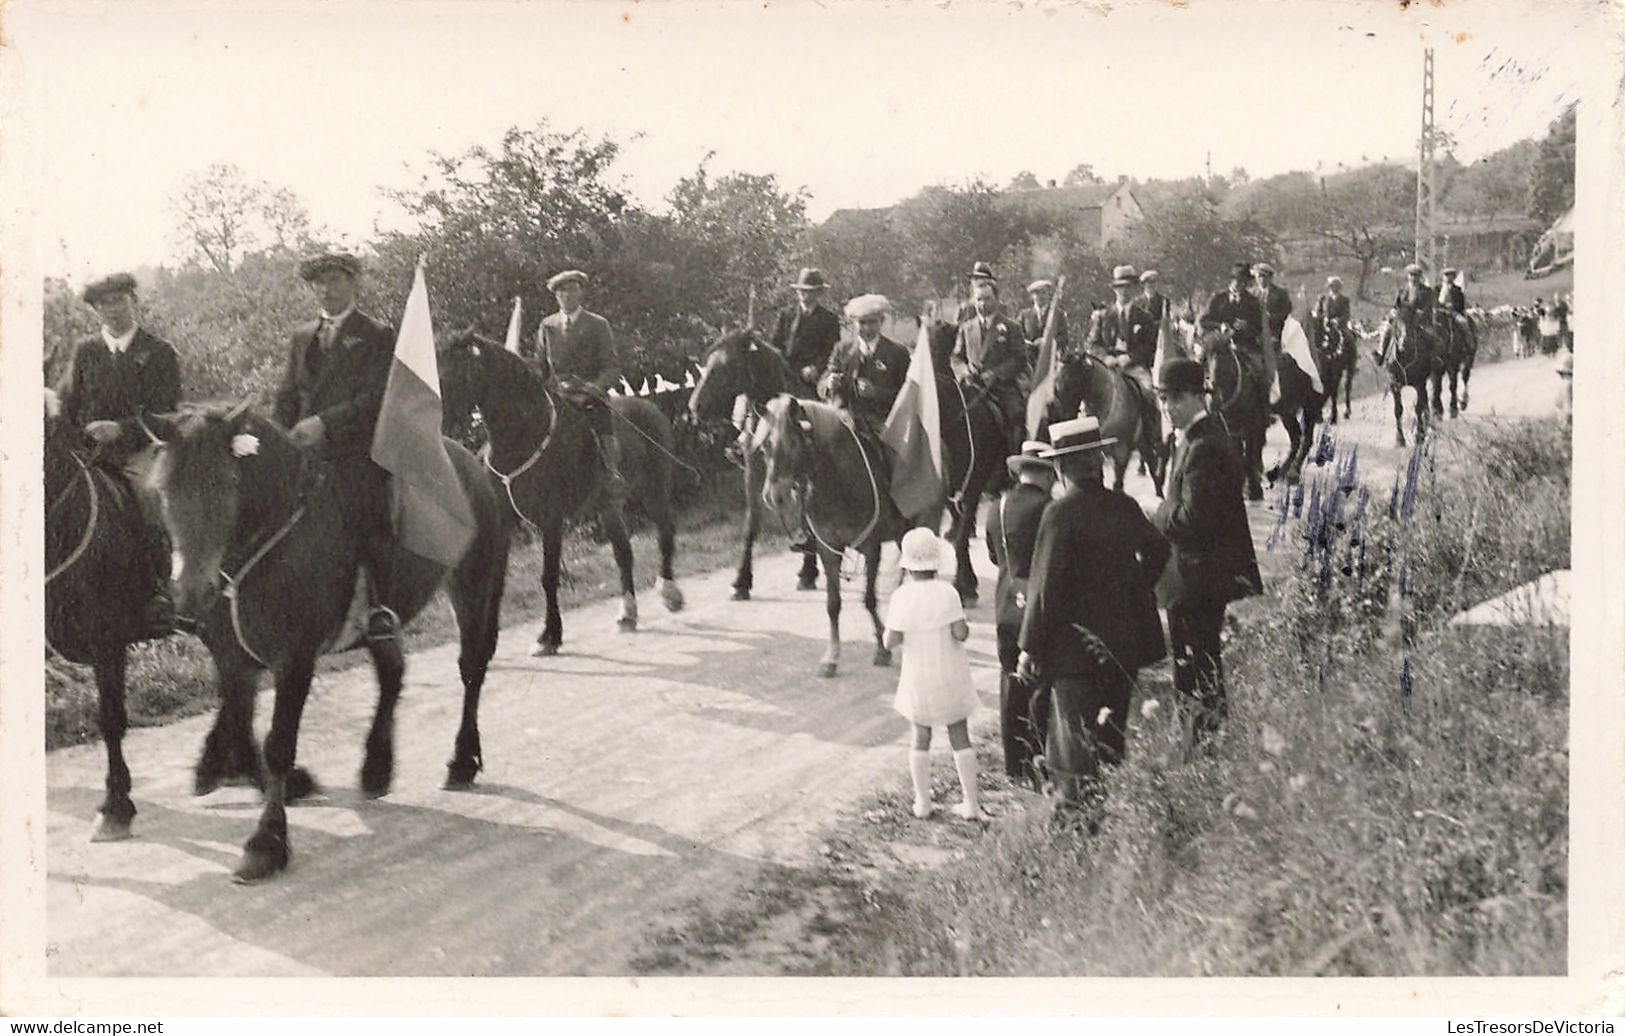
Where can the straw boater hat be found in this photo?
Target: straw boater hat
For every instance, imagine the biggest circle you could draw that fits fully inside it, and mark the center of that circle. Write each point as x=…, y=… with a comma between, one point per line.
x=1122, y=275
x=1264, y=270
x=1148, y=276
x=107, y=287
x=922, y=551
x=1413, y=267
x=1075, y=436
x=982, y=272
x=1334, y=280
x=810, y=279
x=868, y=306
x=565, y=277
x=317, y=265
x=1450, y=271
x=1040, y=285
x=1031, y=456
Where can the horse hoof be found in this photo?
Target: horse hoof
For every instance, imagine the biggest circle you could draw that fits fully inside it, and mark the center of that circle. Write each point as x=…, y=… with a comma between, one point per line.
x=544, y=649
x=299, y=785
x=375, y=780
x=969, y=600
x=627, y=625
x=826, y=669
x=882, y=657
x=806, y=584
x=109, y=829
x=1399, y=440
x=1255, y=493
x=204, y=783
x=460, y=776
x=258, y=865
x=671, y=596
x=741, y=593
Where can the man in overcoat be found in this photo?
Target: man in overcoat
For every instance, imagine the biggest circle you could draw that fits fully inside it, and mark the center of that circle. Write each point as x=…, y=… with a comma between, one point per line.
x=990, y=356
x=1203, y=517
x=112, y=380
x=576, y=351
x=1012, y=531
x=865, y=373
x=806, y=333
x=338, y=366
x=1091, y=620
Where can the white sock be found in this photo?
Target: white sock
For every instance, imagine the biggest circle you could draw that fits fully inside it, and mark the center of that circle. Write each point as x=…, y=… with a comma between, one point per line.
x=965, y=763
x=919, y=770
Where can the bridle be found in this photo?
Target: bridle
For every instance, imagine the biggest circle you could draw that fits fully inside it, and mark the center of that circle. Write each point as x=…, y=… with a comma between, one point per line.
x=508, y=478
x=801, y=485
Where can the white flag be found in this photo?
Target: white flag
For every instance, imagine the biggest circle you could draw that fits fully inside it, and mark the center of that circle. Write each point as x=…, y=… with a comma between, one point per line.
x=512, y=344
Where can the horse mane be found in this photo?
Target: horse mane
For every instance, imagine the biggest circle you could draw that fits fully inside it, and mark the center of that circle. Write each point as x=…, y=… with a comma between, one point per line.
x=206, y=434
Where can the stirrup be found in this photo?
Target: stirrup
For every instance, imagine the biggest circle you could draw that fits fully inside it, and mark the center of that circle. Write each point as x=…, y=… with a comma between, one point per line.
x=374, y=634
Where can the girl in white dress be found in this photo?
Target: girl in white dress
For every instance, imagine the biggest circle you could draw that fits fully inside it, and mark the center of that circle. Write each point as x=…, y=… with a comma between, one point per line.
x=934, y=688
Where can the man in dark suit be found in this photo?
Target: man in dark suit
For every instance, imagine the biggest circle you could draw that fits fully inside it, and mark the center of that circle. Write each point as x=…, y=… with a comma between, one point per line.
x=865, y=373
x=1203, y=516
x=1012, y=531
x=338, y=365
x=577, y=352
x=1417, y=294
x=1332, y=309
x=806, y=332
x=1126, y=335
x=1239, y=311
x=1042, y=292
x=1451, y=296
x=980, y=273
x=990, y=356
x=1151, y=300
x=1091, y=620
x=112, y=380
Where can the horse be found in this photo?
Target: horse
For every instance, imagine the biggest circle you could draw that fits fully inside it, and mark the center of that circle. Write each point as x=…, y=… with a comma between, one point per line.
x=541, y=455
x=95, y=590
x=1459, y=338
x=1236, y=398
x=247, y=508
x=1086, y=384
x=1412, y=354
x=820, y=468
x=742, y=363
x=1337, y=354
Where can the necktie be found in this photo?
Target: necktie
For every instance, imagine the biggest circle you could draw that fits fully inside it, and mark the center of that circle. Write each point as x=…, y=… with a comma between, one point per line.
x=324, y=333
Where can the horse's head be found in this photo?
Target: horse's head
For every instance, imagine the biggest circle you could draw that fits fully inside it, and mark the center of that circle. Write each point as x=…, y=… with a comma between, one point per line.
x=460, y=357
x=942, y=336
x=738, y=363
x=221, y=469
x=786, y=442
x=1210, y=343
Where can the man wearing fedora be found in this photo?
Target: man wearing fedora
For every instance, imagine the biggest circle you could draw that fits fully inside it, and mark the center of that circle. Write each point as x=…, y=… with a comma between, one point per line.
x=990, y=358
x=865, y=373
x=1091, y=621
x=806, y=332
x=1126, y=335
x=576, y=351
x=112, y=379
x=338, y=365
x=1203, y=517
x=1237, y=310
x=1012, y=530
x=1042, y=292
x=981, y=272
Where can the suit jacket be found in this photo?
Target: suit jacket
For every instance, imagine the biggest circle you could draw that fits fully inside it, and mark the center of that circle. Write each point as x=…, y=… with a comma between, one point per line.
x=1427, y=296
x=1203, y=516
x=1244, y=314
x=1094, y=565
x=1032, y=326
x=586, y=352
x=1455, y=298
x=1333, y=307
x=1013, y=522
x=1155, y=303
x=886, y=368
x=99, y=386
x=1277, y=306
x=806, y=342
x=1139, y=332
x=344, y=387
x=1002, y=354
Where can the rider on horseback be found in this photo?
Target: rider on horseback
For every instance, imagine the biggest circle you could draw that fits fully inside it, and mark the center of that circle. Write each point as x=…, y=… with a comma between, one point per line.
x=990, y=359
x=1416, y=299
x=577, y=352
x=111, y=381
x=1239, y=312
x=865, y=372
x=1126, y=336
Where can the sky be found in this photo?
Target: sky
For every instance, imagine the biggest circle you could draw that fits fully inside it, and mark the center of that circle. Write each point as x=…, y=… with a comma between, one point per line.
x=860, y=104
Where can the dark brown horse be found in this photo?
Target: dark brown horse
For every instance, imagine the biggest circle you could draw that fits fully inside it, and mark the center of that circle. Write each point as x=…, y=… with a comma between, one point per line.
x=1085, y=384
x=1411, y=354
x=248, y=509
x=1338, y=354
x=95, y=590
x=543, y=457
x=1458, y=340
x=1234, y=383
x=973, y=446
x=742, y=363
x=821, y=471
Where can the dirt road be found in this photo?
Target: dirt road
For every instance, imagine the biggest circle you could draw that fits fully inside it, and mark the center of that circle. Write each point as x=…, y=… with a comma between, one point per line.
x=630, y=777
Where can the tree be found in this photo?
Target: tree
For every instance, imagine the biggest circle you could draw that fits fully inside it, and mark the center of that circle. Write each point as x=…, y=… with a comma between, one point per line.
x=1191, y=244
x=1024, y=181
x=948, y=228
x=1239, y=177
x=1551, y=181
x=1081, y=175
x=862, y=251
x=222, y=216
x=1364, y=212
x=1495, y=185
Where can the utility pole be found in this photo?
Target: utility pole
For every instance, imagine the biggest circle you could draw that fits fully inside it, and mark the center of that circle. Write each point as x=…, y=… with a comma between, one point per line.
x=1426, y=226
x=1210, y=165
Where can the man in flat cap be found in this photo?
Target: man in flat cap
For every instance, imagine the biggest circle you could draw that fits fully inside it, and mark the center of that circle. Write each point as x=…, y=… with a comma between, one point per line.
x=1416, y=295
x=112, y=379
x=1091, y=621
x=338, y=365
x=865, y=372
x=1276, y=302
x=1452, y=296
x=576, y=349
x=1152, y=300
x=1213, y=563
x=806, y=332
x=1238, y=311
x=1042, y=292
x=990, y=357
x=1126, y=336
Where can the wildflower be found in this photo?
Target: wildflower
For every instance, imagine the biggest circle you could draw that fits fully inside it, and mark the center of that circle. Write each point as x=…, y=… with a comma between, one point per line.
x=244, y=445
x=1149, y=707
x=1272, y=740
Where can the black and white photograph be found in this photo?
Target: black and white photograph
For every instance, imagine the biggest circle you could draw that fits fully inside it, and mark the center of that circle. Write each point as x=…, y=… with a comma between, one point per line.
x=650, y=490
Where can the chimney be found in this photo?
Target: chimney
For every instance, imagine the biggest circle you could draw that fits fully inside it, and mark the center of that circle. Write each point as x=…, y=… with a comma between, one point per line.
x=1122, y=178
x=1050, y=184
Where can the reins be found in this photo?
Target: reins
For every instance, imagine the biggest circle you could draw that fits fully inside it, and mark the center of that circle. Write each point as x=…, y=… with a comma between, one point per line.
x=90, y=523
x=507, y=479
x=233, y=590
x=804, y=489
